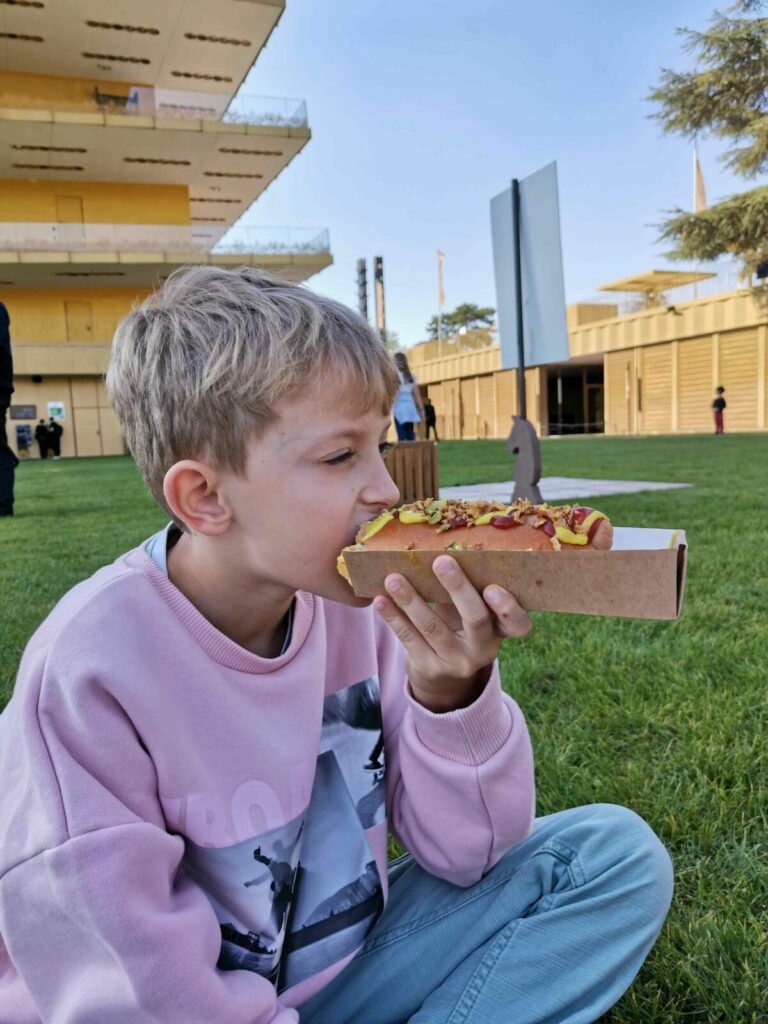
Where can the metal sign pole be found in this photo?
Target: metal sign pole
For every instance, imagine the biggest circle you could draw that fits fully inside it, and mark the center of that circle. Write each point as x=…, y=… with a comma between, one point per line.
x=519, y=299
x=522, y=440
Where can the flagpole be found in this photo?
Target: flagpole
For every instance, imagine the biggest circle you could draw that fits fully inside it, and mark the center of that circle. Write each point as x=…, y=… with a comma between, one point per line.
x=439, y=304
x=695, y=262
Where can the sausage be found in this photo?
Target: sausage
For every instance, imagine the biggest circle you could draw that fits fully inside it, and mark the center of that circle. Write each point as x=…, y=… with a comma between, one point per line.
x=444, y=525
x=396, y=536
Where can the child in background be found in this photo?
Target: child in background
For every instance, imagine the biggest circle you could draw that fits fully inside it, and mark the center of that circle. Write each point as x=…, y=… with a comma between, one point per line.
x=209, y=739
x=718, y=407
x=430, y=419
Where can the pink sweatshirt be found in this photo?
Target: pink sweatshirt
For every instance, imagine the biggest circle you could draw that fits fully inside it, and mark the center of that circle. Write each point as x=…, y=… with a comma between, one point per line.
x=192, y=833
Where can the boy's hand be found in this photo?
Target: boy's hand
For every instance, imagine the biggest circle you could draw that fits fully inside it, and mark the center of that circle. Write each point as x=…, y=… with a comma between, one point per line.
x=450, y=647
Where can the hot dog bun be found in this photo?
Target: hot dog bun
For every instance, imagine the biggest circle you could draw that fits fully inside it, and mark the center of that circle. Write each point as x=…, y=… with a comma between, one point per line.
x=446, y=525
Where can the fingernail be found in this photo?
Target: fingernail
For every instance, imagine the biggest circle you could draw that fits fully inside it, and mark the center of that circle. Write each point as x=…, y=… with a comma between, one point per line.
x=494, y=594
x=444, y=567
x=393, y=585
x=380, y=605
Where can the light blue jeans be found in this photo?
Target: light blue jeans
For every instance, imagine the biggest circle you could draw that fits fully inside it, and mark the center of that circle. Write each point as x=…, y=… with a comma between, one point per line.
x=553, y=934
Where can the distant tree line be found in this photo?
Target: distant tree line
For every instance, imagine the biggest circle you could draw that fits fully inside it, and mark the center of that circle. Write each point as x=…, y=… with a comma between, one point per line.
x=467, y=315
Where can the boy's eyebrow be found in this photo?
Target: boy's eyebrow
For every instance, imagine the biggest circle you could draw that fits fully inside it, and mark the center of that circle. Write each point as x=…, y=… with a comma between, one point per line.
x=353, y=432
x=318, y=440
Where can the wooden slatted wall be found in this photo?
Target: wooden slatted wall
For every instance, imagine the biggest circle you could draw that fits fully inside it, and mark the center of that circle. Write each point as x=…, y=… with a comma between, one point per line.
x=694, y=360
x=620, y=385
x=486, y=407
x=469, y=407
x=505, y=386
x=656, y=388
x=451, y=426
x=738, y=375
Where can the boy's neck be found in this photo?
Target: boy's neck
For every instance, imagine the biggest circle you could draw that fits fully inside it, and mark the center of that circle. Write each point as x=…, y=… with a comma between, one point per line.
x=251, y=615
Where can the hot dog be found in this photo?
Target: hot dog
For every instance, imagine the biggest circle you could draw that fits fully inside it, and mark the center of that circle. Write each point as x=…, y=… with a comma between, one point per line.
x=448, y=525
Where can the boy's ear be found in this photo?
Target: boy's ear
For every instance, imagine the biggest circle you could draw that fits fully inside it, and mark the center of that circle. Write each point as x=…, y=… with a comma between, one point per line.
x=191, y=489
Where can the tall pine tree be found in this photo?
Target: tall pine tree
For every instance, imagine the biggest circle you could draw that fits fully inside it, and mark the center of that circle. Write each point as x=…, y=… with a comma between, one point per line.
x=726, y=95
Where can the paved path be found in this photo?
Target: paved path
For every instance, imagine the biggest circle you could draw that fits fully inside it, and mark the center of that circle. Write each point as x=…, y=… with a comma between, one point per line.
x=554, y=488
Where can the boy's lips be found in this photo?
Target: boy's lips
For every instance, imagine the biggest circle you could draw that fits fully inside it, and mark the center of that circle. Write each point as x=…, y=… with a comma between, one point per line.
x=355, y=532
x=362, y=523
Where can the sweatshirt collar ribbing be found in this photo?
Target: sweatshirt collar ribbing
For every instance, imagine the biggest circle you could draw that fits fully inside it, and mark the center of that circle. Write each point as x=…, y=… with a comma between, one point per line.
x=219, y=647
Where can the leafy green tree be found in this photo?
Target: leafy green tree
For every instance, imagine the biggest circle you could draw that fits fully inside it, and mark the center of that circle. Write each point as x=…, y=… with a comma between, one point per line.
x=466, y=315
x=726, y=95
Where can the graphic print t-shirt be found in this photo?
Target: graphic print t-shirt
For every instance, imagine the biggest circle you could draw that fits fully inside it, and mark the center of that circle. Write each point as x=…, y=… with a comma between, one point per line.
x=293, y=901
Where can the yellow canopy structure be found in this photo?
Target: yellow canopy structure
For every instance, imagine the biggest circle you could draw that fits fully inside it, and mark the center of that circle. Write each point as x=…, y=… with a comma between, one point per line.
x=654, y=282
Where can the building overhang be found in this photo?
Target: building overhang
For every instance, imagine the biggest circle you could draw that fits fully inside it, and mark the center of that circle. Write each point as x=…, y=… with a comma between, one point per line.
x=654, y=281
x=139, y=269
x=225, y=166
x=176, y=44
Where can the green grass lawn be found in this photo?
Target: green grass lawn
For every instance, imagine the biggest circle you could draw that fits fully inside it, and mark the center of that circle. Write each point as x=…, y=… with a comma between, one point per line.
x=667, y=718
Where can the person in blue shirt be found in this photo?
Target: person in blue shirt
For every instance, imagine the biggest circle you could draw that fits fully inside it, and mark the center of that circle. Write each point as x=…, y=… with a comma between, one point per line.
x=408, y=408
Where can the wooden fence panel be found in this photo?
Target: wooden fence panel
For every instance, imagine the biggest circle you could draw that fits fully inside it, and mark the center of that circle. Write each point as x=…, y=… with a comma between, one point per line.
x=413, y=467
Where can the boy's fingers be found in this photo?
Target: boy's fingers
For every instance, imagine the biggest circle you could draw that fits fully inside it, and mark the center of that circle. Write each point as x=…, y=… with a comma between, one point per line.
x=511, y=618
x=432, y=627
x=403, y=628
x=475, y=617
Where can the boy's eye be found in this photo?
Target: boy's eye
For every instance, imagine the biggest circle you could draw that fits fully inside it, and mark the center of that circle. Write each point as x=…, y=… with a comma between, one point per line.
x=338, y=458
x=384, y=448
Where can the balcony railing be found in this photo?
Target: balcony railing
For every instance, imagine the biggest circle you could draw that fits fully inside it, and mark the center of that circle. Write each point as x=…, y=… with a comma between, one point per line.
x=268, y=241
x=174, y=104
x=258, y=241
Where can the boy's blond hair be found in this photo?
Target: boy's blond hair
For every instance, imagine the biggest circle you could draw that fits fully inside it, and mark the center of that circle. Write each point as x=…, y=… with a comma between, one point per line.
x=198, y=369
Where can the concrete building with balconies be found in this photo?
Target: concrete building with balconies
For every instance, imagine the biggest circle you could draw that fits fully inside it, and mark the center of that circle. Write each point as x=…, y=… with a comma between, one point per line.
x=126, y=150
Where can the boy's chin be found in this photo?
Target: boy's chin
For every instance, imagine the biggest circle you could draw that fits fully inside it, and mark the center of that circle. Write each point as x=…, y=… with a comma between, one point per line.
x=339, y=590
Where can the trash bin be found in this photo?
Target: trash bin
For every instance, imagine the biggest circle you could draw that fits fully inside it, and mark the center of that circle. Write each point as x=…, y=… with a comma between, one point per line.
x=413, y=467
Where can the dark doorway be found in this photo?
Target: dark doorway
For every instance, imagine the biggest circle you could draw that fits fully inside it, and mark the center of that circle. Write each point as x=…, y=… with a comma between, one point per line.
x=576, y=400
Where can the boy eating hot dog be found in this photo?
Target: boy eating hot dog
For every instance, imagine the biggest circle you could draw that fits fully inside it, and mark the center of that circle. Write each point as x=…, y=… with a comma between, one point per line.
x=210, y=738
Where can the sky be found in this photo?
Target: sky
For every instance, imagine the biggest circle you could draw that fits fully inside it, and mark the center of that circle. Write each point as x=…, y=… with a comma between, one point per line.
x=422, y=110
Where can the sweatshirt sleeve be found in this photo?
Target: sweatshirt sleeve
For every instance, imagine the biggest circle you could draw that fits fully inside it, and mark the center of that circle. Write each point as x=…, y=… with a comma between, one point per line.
x=99, y=921
x=460, y=787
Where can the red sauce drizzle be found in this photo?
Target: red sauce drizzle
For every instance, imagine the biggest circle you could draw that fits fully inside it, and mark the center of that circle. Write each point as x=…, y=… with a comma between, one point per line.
x=578, y=515
x=457, y=521
x=504, y=522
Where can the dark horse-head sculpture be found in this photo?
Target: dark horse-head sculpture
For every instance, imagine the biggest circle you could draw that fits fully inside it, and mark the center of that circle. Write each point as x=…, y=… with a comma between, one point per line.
x=523, y=442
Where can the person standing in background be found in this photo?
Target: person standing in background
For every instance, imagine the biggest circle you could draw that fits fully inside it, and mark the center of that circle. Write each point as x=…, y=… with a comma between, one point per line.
x=407, y=409
x=8, y=460
x=430, y=419
x=55, y=430
x=718, y=407
x=41, y=436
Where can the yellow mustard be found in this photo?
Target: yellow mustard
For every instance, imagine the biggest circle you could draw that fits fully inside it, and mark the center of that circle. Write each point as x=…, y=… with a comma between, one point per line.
x=368, y=529
x=566, y=536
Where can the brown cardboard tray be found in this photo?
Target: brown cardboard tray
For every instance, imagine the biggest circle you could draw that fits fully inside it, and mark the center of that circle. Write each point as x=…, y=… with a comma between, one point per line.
x=641, y=577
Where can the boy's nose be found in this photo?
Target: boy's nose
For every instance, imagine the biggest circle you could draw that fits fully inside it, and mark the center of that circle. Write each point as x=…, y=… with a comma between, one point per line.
x=382, y=490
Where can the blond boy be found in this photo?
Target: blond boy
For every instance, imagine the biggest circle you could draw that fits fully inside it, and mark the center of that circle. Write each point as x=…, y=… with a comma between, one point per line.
x=210, y=739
